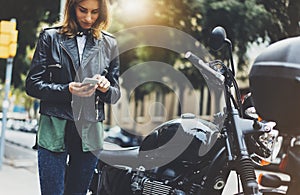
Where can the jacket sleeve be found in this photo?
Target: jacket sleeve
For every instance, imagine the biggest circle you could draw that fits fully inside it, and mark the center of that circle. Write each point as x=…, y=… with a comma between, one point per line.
x=36, y=84
x=113, y=94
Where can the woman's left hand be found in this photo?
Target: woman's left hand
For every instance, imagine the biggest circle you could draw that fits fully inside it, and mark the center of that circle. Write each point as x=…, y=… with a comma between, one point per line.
x=103, y=84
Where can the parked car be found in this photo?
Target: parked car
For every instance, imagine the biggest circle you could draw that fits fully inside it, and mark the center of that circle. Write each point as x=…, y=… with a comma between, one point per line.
x=30, y=126
x=121, y=137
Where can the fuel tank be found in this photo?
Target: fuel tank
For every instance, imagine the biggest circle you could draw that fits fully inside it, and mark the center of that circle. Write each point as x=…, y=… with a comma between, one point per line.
x=186, y=139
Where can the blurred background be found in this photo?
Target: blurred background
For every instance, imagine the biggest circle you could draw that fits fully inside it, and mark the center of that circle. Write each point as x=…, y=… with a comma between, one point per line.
x=251, y=25
x=142, y=29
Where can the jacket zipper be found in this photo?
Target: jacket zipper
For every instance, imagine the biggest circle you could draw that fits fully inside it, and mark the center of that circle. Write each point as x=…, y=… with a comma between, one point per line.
x=53, y=66
x=79, y=114
x=97, y=111
x=69, y=56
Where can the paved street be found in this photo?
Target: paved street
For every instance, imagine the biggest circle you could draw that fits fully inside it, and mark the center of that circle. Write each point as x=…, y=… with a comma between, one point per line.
x=19, y=174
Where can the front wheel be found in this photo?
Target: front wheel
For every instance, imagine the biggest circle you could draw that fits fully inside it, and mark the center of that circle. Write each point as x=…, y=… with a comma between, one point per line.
x=112, y=181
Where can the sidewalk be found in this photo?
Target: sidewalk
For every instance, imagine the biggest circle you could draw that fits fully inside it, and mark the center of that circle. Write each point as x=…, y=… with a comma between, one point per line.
x=18, y=180
x=19, y=174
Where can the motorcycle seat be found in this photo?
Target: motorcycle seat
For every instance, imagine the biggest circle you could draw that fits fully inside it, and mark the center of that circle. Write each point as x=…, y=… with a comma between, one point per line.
x=115, y=155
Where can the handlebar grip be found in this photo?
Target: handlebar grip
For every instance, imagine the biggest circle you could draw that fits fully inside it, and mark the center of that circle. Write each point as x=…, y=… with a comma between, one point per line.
x=205, y=69
x=192, y=57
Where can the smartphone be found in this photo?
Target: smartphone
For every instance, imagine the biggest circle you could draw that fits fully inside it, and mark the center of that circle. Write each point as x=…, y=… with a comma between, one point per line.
x=91, y=81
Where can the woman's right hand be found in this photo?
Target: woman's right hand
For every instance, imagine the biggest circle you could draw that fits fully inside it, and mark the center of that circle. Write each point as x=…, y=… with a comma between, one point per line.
x=82, y=90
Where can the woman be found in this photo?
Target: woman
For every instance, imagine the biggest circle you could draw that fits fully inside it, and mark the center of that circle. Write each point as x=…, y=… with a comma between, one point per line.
x=70, y=131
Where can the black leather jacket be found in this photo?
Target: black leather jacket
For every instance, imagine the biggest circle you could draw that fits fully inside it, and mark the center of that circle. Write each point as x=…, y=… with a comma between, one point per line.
x=56, y=63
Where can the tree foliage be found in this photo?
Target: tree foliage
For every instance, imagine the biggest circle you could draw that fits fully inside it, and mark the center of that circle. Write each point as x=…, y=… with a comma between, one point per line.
x=246, y=21
x=249, y=21
x=29, y=14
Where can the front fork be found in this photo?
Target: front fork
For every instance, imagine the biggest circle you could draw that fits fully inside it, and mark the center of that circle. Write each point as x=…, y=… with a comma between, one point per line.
x=238, y=152
x=247, y=175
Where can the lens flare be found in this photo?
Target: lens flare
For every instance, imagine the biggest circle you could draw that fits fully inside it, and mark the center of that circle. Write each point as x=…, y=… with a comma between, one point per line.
x=134, y=9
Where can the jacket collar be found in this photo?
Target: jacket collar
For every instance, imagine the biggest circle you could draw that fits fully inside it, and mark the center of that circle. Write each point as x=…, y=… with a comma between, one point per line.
x=92, y=47
x=90, y=50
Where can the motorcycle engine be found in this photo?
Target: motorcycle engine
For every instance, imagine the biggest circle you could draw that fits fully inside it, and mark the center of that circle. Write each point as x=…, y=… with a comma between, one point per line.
x=178, y=142
x=142, y=184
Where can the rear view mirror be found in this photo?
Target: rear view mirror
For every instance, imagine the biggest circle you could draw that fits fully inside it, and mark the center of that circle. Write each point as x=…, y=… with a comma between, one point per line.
x=217, y=38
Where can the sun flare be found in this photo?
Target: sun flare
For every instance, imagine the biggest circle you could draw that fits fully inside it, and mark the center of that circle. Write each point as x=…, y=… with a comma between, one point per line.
x=135, y=8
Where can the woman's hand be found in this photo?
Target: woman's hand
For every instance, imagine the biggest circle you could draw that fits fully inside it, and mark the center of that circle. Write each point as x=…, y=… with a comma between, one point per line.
x=82, y=90
x=103, y=84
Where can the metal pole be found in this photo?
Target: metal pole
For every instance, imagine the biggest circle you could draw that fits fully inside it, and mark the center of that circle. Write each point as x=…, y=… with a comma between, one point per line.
x=61, y=11
x=5, y=106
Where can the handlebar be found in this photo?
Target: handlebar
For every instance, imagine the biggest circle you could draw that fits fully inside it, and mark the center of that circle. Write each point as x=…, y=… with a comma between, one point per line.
x=208, y=73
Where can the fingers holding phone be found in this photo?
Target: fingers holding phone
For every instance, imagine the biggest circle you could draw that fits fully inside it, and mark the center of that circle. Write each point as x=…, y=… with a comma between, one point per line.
x=103, y=83
x=82, y=89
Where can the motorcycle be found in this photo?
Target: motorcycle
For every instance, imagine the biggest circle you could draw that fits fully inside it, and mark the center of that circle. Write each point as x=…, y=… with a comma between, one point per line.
x=189, y=155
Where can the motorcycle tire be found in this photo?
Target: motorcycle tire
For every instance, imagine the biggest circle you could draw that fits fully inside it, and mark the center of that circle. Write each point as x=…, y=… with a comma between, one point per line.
x=114, y=181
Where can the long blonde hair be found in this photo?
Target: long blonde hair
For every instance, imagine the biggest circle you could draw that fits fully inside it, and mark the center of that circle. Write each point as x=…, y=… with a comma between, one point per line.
x=70, y=25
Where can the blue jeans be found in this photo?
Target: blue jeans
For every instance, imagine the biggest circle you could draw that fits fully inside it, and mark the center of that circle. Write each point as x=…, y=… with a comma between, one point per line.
x=59, y=177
